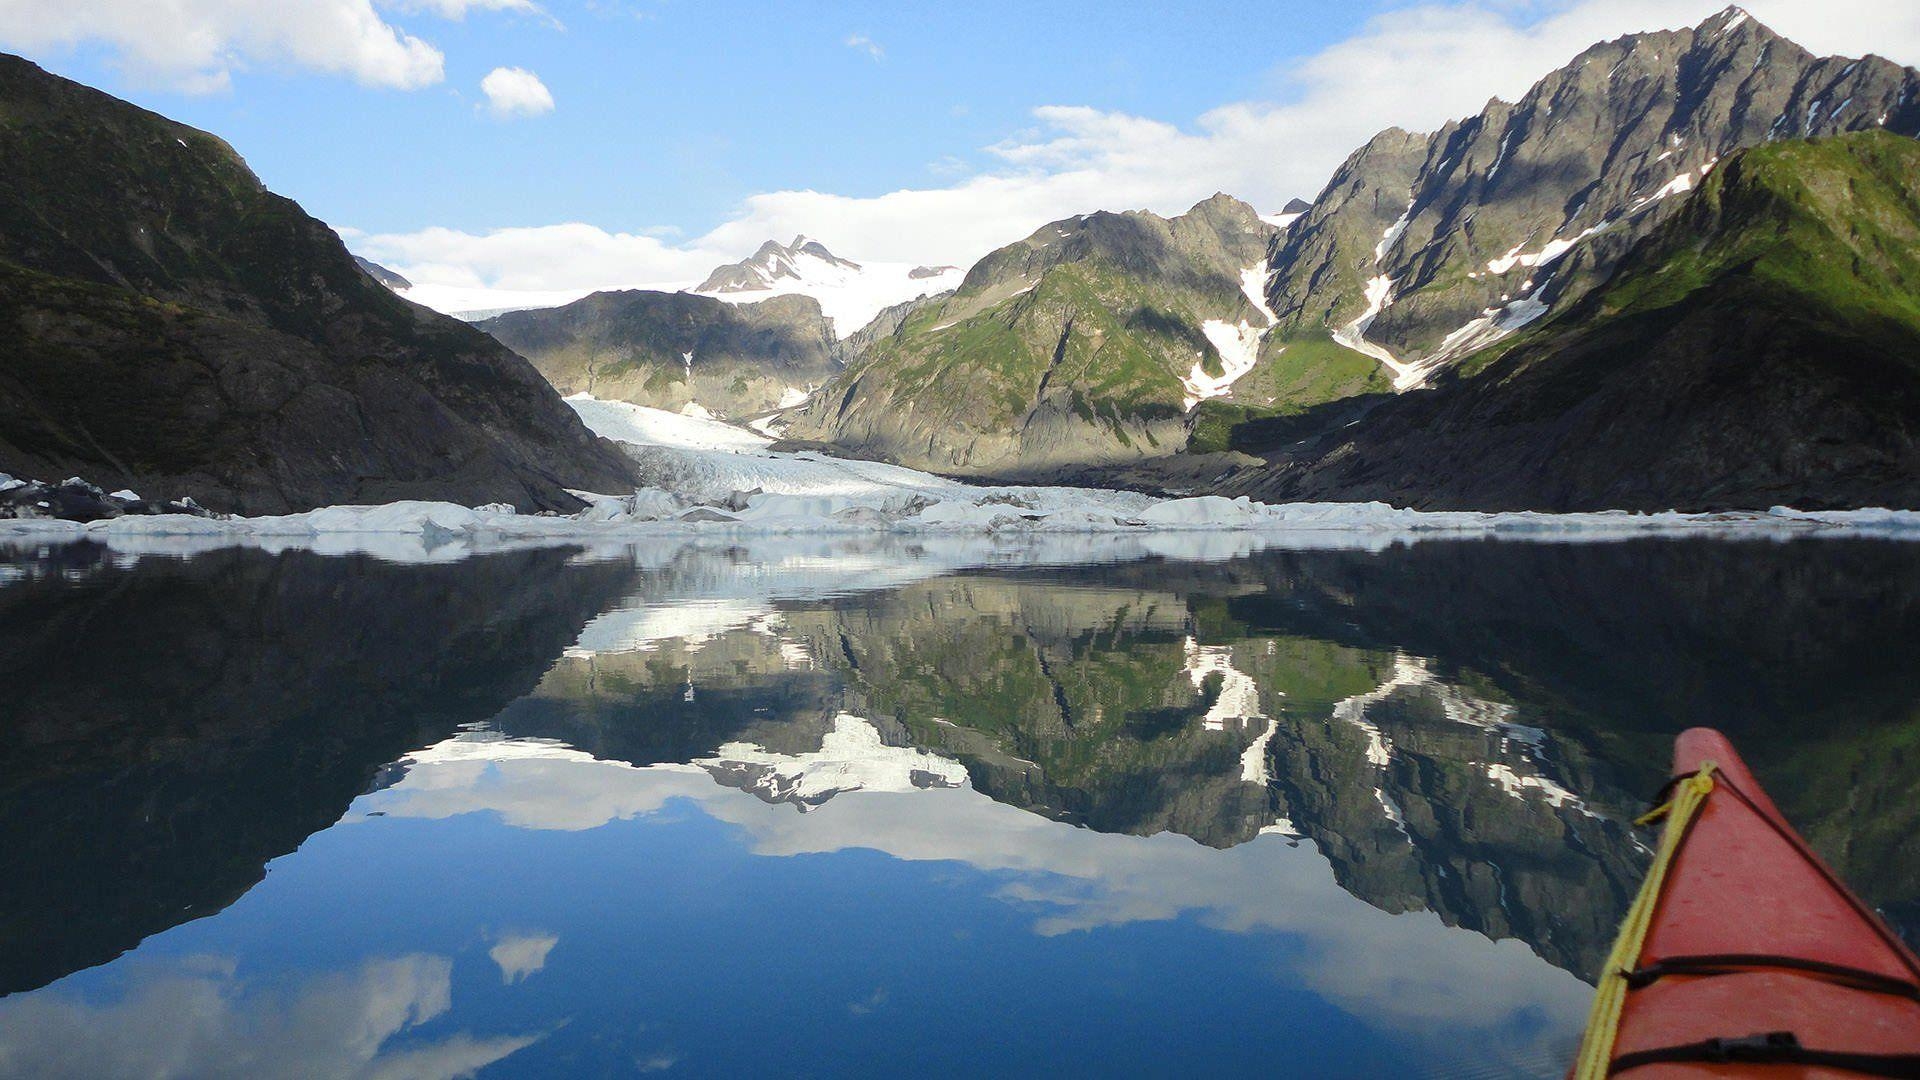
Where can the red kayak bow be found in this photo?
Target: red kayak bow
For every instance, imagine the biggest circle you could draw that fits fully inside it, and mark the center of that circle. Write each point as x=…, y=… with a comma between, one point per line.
x=1744, y=955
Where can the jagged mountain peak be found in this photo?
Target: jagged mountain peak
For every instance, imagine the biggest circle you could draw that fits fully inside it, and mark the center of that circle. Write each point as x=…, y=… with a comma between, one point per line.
x=1756, y=347
x=1423, y=248
x=851, y=293
x=802, y=260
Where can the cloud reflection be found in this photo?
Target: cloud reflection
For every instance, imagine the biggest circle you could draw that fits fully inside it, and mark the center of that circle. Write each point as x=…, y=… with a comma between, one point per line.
x=1405, y=969
x=521, y=955
x=197, y=1017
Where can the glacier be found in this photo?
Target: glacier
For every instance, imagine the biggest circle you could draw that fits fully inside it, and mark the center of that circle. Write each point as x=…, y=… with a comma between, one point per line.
x=707, y=478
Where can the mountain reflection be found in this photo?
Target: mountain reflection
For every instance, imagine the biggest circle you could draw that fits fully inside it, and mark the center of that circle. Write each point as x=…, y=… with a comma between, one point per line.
x=1460, y=729
x=1130, y=710
x=173, y=725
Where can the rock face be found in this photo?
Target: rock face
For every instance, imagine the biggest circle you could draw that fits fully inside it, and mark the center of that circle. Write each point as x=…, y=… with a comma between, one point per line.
x=381, y=274
x=1760, y=347
x=74, y=499
x=174, y=328
x=1424, y=248
x=1087, y=342
x=671, y=350
x=773, y=263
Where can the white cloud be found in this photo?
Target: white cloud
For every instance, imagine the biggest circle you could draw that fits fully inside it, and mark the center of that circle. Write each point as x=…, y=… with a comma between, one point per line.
x=516, y=92
x=457, y=9
x=539, y=257
x=865, y=44
x=1415, y=68
x=195, y=45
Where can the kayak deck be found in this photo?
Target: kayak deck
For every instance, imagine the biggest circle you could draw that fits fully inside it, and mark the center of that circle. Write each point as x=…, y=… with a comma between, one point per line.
x=1751, y=958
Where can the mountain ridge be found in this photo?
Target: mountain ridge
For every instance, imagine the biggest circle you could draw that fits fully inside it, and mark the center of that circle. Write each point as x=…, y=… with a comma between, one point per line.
x=176, y=328
x=1083, y=341
x=1425, y=248
x=1757, y=348
x=771, y=263
x=679, y=350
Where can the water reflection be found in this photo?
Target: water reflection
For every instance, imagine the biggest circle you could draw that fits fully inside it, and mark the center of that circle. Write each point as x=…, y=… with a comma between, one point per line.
x=172, y=726
x=200, y=1016
x=1387, y=775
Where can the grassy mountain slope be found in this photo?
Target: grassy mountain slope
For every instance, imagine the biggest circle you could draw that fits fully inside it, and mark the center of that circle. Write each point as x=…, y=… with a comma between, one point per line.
x=668, y=350
x=1761, y=347
x=1472, y=232
x=1066, y=348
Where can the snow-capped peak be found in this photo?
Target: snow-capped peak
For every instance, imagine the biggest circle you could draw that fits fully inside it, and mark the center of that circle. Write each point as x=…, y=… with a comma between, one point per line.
x=850, y=293
x=804, y=259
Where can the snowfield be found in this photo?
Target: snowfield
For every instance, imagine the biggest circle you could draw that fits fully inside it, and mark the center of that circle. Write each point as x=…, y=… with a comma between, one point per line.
x=849, y=295
x=851, y=298
x=707, y=478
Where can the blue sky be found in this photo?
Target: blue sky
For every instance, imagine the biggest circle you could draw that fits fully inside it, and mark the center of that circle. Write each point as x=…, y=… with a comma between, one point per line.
x=669, y=113
x=682, y=134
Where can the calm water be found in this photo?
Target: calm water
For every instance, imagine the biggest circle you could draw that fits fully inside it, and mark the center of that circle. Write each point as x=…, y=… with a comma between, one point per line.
x=828, y=809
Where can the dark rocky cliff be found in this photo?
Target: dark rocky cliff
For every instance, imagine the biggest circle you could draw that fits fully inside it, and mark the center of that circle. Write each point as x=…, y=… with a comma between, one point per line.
x=174, y=327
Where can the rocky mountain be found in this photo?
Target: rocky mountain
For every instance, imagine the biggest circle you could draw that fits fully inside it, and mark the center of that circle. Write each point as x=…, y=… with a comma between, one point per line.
x=849, y=293
x=674, y=350
x=802, y=260
x=1761, y=346
x=175, y=328
x=1287, y=214
x=1424, y=248
x=1088, y=341
x=382, y=275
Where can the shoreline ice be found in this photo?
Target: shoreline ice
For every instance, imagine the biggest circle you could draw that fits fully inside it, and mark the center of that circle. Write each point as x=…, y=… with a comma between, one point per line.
x=710, y=479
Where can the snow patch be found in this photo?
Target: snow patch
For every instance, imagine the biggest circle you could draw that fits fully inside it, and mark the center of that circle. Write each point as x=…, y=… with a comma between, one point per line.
x=1253, y=282
x=1393, y=234
x=1239, y=699
x=1499, y=159
x=1239, y=349
x=1354, y=334
x=1679, y=185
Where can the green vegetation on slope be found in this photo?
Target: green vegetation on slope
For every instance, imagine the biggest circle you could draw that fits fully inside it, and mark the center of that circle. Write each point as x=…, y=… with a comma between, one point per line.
x=1833, y=223
x=1760, y=347
x=1068, y=347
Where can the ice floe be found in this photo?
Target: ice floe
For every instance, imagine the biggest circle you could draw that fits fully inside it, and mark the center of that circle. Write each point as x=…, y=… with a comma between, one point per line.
x=707, y=478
